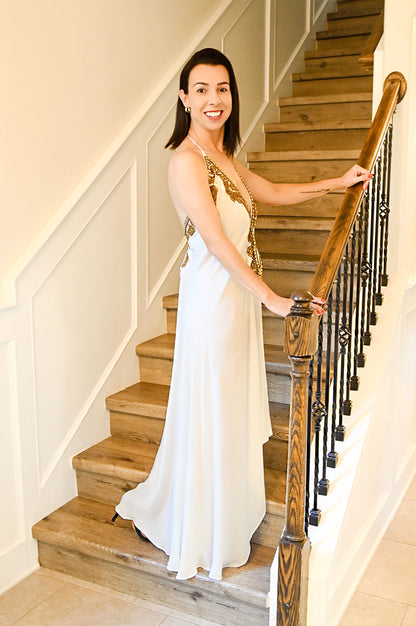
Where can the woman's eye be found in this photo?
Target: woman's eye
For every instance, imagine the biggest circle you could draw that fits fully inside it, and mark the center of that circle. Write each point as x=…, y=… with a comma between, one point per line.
x=223, y=89
x=200, y=90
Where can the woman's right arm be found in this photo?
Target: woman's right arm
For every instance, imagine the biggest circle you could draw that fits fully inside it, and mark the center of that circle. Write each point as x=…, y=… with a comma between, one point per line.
x=188, y=185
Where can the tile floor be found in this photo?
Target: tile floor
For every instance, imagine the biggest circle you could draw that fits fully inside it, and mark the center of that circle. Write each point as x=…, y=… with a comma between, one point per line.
x=386, y=595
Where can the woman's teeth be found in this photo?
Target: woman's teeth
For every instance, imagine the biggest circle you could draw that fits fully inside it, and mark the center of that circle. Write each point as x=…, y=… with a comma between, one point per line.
x=213, y=113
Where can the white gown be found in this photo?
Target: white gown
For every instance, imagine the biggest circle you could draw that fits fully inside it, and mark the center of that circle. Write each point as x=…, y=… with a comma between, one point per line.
x=205, y=495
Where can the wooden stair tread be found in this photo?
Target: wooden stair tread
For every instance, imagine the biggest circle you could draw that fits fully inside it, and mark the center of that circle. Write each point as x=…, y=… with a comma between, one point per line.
x=339, y=34
x=358, y=12
x=324, y=53
x=359, y=96
x=132, y=460
x=279, y=414
x=279, y=261
x=302, y=155
x=133, y=399
x=85, y=526
x=325, y=74
x=163, y=345
x=289, y=127
x=294, y=223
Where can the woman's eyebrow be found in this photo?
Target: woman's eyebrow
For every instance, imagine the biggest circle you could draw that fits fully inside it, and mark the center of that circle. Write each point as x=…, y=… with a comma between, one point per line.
x=199, y=82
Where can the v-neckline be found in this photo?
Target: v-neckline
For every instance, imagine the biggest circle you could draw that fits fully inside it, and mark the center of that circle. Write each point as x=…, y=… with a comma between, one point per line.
x=232, y=183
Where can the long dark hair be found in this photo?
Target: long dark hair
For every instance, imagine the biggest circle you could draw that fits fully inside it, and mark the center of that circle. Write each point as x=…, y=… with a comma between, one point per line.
x=208, y=56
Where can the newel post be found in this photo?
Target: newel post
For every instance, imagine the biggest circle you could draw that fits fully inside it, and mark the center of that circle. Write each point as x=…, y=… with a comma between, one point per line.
x=301, y=343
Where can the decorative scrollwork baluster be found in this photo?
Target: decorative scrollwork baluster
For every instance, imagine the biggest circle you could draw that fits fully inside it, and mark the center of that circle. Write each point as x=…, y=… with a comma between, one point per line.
x=332, y=458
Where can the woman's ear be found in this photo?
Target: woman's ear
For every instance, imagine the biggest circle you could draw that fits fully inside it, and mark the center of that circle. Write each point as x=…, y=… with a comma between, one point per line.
x=183, y=96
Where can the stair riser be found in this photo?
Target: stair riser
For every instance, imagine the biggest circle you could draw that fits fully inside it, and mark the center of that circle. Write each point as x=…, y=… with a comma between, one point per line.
x=154, y=370
x=179, y=595
x=351, y=139
x=286, y=241
x=140, y=427
x=275, y=456
x=109, y=490
x=354, y=5
x=333, y=86
x=333, y=64
x=285, y=283
x=279, y=387
x=330, y=111
x=352, y=23
x=326, y=206
x=300, y=171
x=349, y=44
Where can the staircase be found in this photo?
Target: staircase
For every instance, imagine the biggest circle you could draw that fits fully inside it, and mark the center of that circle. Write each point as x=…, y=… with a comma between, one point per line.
x=320, y=133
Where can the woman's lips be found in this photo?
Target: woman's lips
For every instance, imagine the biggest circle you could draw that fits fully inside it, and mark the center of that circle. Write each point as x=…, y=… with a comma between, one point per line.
x=213, y=115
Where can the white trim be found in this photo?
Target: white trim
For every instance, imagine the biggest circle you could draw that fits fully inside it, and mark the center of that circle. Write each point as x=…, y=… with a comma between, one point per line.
x=299, y=45
x=173, y=259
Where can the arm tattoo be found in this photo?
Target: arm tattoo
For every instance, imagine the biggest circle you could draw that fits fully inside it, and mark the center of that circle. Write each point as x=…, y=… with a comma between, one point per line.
x=316, y=191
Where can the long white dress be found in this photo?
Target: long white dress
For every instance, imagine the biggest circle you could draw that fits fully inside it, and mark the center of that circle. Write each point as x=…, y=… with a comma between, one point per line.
x=205, y=495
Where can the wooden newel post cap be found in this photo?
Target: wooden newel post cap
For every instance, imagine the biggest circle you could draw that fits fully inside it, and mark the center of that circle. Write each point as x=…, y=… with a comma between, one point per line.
x=301, y=326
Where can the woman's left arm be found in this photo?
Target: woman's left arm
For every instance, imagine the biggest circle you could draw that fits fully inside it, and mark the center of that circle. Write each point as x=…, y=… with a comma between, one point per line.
x=293, y=193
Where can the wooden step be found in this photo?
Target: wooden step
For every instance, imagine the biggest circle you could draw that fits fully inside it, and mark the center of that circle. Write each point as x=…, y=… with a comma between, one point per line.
x=291, y=236
x=325, y=207
x=108, y=469
x=326, y=107
x=327, y=81
x=324, y=135
x=354, y=5
x=79, y=539
x=349, y=44
x=156, y=356
x=352, y=20
x=303, y=165
x=331, y=62
x=138, y=413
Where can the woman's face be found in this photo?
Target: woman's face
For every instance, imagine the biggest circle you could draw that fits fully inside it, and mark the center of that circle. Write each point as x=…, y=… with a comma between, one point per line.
x=209, y=96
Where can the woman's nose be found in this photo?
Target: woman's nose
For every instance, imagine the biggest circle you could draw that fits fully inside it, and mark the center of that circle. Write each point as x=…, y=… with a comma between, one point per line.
x=214, y=97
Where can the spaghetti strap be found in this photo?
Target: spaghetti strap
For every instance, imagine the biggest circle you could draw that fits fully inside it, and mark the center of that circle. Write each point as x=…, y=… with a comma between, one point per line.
x=197, y=145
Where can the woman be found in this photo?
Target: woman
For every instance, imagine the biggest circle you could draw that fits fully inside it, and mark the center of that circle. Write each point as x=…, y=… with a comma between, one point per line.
x=204, y=497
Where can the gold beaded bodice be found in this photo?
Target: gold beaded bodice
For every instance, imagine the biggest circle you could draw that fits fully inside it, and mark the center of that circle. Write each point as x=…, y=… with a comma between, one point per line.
x=235, y=194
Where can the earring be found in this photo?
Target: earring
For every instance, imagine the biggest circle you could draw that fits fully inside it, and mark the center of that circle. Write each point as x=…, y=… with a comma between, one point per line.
x=187, y=109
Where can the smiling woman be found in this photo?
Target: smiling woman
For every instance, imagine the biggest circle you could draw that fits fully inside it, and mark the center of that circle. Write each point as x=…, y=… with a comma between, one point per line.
x=205, y=496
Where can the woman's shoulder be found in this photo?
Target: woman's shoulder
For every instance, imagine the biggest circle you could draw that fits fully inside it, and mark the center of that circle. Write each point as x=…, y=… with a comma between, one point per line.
x=185, y=158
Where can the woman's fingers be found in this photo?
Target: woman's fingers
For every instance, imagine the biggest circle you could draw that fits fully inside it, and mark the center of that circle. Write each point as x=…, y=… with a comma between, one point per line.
x=357, y=174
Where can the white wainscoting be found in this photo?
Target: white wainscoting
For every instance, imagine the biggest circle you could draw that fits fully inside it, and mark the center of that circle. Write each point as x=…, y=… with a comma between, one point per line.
x=91, y=286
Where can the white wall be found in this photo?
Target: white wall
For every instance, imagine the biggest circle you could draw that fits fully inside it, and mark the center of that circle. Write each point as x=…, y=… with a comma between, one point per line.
x=91, y=102
x=378, y=458
x=73, y=75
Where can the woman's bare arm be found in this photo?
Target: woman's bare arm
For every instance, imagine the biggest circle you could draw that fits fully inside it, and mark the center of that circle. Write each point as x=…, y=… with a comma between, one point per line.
x=191, y=196
x=293, y=193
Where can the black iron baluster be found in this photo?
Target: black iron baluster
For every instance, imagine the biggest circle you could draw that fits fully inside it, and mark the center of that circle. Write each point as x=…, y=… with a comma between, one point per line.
x=344, y=337
x=368, y=263
x=323, y=485
x=373, y=314
x=332, y=454
x=347, y=400
x=359, y=301
x=378, y=260
x=389, y=137
x=318, y=413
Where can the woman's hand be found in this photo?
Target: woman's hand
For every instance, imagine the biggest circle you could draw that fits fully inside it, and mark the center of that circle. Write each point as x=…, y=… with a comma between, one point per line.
x=356, y=174
x=282, y=306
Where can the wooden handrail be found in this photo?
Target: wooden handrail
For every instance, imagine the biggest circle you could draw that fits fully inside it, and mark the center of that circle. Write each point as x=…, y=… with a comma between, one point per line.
x=394, y=90
x=366, y=59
